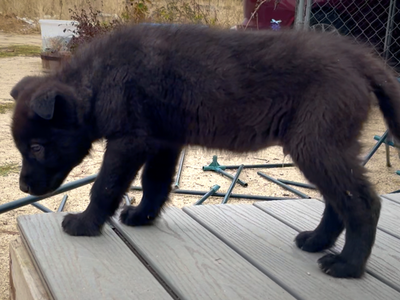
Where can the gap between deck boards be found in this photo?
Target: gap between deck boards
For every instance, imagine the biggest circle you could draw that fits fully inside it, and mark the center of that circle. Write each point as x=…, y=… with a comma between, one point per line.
x=145, y=263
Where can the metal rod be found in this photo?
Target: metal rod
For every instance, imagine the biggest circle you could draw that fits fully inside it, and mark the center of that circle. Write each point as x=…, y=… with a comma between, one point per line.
x=31, y=199
x=234, y=181
x=201, y=193
x=299, y=184
x=127, y=199
x=42, y=208
x=264, y=166
x=178, y=175
x=213, y=190
x=289, y=188
x=242, y=183
x=375, y=148
x=62, y=204
x=387, y=151
x=395, y=192
x=378, y=138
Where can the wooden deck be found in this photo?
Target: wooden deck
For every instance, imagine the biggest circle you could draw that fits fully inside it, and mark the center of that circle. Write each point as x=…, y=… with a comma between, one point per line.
x=201, y=252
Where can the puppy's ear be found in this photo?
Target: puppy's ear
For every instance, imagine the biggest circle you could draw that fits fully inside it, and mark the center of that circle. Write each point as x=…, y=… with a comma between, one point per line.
x=54, y=99
x=23, y=84
x=44, y=103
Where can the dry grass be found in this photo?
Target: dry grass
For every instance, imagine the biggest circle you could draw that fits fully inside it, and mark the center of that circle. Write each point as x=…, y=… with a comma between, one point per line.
x=229, y=12
x=9, y=23
x=5, y=107
x=19, y=50
x=9, y=168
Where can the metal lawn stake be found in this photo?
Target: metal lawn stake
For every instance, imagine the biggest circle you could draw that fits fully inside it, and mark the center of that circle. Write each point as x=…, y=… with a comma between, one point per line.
x=127, y=199
x=299, y=184
x=62, y=204
x=234, y=181
x=294, y=191
x=388, y=142
x=211, y=192
x=387, y=151
x=398, y=191
x=263, y=166
x=375, y=148
x=42, y=207
x=201, y=193
x=395, y=192
x=216, y=167
x=380, y=139
x=178, y=175
x=32, y=199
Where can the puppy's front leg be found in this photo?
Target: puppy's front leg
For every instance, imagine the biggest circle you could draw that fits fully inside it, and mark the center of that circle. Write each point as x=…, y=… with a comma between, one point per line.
x=122, y=160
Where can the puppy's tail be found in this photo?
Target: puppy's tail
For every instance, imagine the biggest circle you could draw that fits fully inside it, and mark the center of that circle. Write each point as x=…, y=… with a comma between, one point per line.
x=386, y=87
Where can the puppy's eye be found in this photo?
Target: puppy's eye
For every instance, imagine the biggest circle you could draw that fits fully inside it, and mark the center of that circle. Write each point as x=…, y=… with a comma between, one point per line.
x=35, y=148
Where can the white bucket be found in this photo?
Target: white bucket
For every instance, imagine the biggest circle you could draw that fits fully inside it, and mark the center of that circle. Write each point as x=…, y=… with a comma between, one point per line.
x=53, y=35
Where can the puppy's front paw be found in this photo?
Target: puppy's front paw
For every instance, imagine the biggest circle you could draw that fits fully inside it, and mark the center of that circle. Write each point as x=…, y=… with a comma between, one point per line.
x=310, y=241
x=80, y=225
x=134, y=216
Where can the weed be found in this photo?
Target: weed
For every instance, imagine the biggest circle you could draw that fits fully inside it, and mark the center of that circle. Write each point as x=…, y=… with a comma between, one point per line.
x=139, y=11
x=89, y=26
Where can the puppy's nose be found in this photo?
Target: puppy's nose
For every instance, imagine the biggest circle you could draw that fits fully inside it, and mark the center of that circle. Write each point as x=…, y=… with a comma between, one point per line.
x=24, y=187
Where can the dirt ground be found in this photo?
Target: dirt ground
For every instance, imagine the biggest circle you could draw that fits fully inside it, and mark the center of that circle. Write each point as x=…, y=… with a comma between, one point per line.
x=193, y=177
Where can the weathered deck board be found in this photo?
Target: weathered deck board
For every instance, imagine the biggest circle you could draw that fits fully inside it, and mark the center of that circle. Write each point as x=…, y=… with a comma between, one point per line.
x=95, y=268
x=268, y=244
x=195, y=263
x=393, y=197
x=390, y=217
x=306, y=214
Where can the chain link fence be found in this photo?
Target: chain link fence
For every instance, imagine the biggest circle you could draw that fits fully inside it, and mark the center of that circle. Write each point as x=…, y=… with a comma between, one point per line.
x=376, y=22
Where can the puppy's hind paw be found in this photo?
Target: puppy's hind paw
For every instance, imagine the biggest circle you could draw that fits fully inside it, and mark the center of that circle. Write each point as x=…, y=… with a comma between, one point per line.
x=80, y=225
x=338, y=266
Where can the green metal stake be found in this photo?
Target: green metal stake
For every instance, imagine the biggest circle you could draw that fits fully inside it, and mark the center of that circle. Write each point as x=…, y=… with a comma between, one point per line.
x=41, y=207
x=299, y=184
x=285, y=186
x=216, y=167
x=213, y=190
x=378, y=138
x=260, y=166
x=234, y=181
x=62, y=204
x=178, y=175
x=221, y=195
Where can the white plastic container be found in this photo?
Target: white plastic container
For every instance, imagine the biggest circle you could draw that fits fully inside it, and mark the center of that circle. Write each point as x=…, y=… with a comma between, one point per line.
x=53, y=35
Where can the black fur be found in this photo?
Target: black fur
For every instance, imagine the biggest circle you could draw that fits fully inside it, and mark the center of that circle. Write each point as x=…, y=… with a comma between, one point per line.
x=150, y=90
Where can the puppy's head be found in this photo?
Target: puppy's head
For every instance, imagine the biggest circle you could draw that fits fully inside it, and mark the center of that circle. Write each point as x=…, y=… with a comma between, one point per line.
x=48, y=132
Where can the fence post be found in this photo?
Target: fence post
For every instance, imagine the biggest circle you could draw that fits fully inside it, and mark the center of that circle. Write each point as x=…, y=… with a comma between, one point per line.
x=299, y=20
x=306, y=24
x=389, y=29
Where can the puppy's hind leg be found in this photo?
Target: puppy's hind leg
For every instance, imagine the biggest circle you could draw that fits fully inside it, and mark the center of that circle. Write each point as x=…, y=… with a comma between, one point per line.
x=156, y=182
x=122, y=160
x=350, y=199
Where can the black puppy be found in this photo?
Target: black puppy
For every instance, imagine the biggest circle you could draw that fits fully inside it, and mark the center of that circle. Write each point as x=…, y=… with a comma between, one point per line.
x=150, y=90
